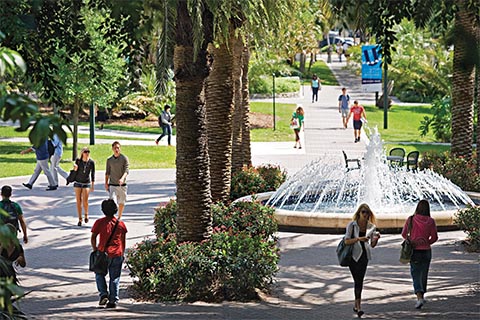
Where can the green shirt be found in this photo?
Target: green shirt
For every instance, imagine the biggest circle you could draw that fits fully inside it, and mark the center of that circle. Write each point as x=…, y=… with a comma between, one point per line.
x=299, y=117
x=17, y=207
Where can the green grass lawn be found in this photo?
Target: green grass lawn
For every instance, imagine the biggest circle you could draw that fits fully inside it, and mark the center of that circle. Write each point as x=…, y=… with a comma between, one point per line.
x=403, y=123
x=323, y=72
x=422, y=148
x=283, y=114
x=141, y=157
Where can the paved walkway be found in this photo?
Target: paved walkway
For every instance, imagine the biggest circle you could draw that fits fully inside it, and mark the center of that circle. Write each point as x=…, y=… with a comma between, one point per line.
x=309, y=284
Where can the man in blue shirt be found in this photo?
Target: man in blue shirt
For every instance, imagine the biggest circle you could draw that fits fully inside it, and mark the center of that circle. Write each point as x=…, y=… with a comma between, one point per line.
x=42, y=156
x=55, y=168
x=344, y=106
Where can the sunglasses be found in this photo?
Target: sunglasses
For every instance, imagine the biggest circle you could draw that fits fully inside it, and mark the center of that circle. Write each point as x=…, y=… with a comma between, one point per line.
x=86, y=151
x=365, y=211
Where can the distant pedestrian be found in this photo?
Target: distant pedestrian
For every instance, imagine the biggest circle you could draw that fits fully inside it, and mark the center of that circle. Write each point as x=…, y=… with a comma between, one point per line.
x=296, y=123
x=13, y=252
x=115, y=249
x=165, y=122
x=423, y=234
x=55, y=168
x=116, y=177
x=340, y=51
x=344, y=106
x=42, y=156
x=15, y=213
x=315, y=87
x=359, y=117
x=361, y=233
x=84, y=182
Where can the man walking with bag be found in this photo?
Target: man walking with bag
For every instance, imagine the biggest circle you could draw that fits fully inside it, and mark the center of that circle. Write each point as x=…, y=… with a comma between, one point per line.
x=112, y=233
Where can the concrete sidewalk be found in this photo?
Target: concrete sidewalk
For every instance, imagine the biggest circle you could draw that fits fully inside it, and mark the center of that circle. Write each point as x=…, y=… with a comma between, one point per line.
x=309, y=284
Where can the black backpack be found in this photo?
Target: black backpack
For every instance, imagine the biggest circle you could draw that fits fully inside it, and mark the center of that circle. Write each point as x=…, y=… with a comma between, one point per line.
x=51, y=148
x=12, y=214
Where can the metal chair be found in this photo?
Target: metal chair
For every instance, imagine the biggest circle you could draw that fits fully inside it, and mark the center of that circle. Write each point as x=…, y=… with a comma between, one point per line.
x=396, y=156
x=412, y=160
x=348, y=161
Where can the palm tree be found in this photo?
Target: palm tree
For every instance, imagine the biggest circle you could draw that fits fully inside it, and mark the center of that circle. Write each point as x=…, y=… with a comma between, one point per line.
x=245, y=151
x=219, y=98
x=193, y=31
x=239, y=113
x=463, y=81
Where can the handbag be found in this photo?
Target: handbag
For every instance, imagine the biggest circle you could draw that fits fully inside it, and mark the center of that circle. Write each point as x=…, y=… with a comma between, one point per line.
x=294, y=124
x=344, y=252
x=72, y=175
x=99, y=259
x=406, y=250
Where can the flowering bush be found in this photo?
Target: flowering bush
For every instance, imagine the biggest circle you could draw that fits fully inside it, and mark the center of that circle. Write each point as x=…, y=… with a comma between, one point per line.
x=240, y=257
x=457, y=169
x=253, y=180
x=469, y=221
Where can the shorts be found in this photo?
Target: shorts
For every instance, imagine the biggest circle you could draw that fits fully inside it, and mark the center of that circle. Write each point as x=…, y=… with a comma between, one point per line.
x=344, y=112
x=81, y=185
x=119, y=191
x=357, y=124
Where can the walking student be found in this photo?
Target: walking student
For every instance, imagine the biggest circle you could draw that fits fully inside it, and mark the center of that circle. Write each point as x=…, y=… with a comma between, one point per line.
x=115, y=249
x=315, y=87
x=15, y=213
x=344, y=106
x=423, y=234
x=84, y=182
x=360, y=233
x=42, y=156
x=358, y=117
x=55, y=168
x=165, y=122
x=296, y=123
x=116, y=177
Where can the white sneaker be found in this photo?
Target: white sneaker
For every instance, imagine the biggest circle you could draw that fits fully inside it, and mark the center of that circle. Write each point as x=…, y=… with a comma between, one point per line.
x=419, y=304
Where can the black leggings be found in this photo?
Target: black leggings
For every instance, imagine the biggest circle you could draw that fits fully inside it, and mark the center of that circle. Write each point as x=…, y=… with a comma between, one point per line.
x=358, y=270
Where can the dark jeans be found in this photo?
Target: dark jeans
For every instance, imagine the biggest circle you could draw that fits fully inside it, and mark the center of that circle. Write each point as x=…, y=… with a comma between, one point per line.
x=314, y=94
x=419, y=266
x=358, y=270
x=114, y=271
x=166, y=131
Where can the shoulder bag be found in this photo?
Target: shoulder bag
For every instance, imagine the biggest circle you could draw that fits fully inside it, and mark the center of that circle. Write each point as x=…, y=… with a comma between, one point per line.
x=344, y=252
x=99, y=259
x=406, y=250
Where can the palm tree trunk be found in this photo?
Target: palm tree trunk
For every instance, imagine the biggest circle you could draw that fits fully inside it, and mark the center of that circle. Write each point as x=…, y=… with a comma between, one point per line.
x=462, y=84
x=219, y=97
x=246, y=150
x=194, y=219
x=237, y=156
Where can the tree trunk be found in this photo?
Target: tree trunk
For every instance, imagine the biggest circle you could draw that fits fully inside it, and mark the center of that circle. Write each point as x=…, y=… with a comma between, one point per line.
x=462, y=84
x=302, y=62
x=246, y=150
x=194, y=218
x=237, y=156
x=219, y=98
x=477, y=97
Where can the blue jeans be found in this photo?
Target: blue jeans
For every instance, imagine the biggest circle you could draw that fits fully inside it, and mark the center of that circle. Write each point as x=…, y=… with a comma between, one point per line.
x=166, y=131
x=114, y=270
x=419, y=265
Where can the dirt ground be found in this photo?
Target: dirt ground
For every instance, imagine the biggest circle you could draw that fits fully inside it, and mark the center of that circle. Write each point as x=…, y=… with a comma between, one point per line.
x=257, y=120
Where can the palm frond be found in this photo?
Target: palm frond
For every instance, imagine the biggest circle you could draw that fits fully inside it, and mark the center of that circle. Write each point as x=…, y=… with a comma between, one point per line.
x=165, y=47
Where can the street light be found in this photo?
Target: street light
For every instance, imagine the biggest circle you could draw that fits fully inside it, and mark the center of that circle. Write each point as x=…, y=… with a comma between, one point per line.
x=273, y=74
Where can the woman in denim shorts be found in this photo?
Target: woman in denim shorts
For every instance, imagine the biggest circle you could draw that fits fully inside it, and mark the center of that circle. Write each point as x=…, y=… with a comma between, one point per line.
x=84, y=182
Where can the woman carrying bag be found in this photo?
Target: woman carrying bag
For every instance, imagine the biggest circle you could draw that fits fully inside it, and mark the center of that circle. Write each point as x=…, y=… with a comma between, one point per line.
x=361, y=234
x=423, y=233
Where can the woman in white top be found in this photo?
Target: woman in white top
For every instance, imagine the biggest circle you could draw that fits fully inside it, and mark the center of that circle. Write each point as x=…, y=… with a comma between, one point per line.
x=362, y=235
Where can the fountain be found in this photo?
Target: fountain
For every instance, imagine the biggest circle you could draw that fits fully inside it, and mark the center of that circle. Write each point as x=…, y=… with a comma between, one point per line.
x=325, y=195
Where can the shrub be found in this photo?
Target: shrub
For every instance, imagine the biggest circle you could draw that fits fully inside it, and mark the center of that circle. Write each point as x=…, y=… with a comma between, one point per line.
x=273, y=176
x=457, y=169
x=240, y=257
x=252, y=180
x=469, y=221
x=264, y=85
x=440, y=122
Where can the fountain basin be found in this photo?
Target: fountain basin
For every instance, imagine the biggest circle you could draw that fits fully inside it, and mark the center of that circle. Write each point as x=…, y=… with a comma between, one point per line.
x=327, y=222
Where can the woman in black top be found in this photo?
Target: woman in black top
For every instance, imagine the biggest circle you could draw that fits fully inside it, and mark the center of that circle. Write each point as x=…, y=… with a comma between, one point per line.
x=84, y=182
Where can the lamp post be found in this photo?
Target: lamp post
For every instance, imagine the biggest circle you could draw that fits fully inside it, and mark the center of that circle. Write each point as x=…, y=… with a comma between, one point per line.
x=92, y=124
x=273, y=97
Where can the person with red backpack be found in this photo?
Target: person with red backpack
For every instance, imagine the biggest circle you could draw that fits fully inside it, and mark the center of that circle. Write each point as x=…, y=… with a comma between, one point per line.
x=15, y=213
